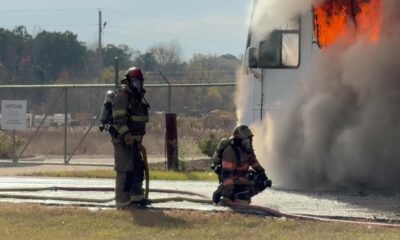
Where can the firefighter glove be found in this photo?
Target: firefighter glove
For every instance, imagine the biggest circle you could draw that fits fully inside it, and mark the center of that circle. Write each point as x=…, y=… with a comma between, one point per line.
x=266, y=180
x=129, y=139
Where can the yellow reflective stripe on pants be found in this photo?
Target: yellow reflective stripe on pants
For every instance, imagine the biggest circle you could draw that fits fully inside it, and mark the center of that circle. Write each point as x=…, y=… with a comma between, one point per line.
x=123, y=130
x=140, y=118
x=137, y=198
x=119, y=113
x=138, y=138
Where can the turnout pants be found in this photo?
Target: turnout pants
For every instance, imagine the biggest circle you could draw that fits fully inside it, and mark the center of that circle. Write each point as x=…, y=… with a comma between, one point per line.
x=129, y=167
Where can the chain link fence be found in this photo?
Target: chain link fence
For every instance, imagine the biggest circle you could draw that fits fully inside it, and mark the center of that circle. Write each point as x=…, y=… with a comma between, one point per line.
x=203, y=109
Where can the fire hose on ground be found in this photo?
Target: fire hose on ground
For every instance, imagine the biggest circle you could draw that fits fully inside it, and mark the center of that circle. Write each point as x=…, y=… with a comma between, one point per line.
x=243, y=208
x=143, y=151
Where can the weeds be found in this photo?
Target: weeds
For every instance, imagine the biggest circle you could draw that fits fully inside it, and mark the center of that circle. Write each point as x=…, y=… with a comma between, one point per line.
x=154, y=175
x=208, y=145
x=190, y=130
x=6, y=145
x=22, y=221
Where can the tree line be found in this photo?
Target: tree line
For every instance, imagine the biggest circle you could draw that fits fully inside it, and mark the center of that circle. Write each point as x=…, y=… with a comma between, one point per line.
x=59, y=57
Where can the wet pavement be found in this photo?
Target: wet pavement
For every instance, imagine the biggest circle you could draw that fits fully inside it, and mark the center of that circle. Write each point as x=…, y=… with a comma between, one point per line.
x=357, y=204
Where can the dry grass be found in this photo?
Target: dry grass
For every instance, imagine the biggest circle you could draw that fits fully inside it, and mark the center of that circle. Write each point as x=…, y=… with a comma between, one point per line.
x=39, y=222
x=154, y=175
x=190, y=131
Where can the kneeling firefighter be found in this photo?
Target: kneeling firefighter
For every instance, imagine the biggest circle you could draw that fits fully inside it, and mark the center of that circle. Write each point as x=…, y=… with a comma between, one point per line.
x=240, y=174
x=130, y=112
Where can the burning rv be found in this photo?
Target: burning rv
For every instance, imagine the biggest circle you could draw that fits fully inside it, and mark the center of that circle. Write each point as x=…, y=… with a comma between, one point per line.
x=324, y=78
x=278, y=57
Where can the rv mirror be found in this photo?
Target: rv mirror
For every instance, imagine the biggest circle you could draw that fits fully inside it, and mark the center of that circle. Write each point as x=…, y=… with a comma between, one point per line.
x=252, y=57
x=270, y=51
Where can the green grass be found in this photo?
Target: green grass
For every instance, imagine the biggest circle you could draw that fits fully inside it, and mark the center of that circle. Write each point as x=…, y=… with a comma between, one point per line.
x=39, y=222
x=154, y=175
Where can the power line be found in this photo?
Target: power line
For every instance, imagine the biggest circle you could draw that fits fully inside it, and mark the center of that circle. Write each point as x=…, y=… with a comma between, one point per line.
x=182, y=20
x=49, y=25
x=128, y=36
x=173, y=19
x=47, y=10
x=170, y=34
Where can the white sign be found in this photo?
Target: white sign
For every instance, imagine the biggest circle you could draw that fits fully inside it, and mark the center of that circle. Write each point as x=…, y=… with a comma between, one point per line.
x=13, y=114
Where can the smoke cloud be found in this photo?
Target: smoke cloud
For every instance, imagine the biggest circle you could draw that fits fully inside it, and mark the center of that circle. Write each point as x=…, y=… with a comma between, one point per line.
x=343, y=126
x=271, y=14
x=243, y=99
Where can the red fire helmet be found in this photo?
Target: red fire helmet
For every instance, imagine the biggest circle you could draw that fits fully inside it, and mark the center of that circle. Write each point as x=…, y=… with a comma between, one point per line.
x=132, y=72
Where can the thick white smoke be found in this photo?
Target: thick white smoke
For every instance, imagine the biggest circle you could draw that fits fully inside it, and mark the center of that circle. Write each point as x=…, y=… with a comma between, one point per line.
x=343, y=126
x=271, y=14
x=243, y=99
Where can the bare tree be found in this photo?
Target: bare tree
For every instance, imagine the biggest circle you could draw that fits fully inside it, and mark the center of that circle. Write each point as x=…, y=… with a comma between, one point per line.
x=167, y=53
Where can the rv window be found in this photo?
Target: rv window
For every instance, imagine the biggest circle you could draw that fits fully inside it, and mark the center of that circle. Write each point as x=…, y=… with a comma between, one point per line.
x=290, y=50
x=281, y=49
x=270, y=51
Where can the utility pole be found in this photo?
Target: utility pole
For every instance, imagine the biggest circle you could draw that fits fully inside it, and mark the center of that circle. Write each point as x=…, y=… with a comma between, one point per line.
x=100, y=47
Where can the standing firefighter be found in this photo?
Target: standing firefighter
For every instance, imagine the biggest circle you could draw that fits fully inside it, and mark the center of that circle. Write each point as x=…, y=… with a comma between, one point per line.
x=240, y=174
x=130, y=112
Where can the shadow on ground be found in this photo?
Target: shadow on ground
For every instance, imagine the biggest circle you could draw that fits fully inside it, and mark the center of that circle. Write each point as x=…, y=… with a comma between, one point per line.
x=157, y=219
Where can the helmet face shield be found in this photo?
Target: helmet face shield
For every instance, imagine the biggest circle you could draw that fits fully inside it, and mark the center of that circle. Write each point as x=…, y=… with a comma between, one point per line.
x=247, y=144
x=136, y=83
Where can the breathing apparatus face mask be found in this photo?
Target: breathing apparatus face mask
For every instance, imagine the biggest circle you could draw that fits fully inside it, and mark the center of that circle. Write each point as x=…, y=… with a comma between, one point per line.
x=247, y=144
x=137, y=84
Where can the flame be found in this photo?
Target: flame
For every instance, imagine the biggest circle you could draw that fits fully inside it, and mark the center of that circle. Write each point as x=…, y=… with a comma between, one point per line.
x=369, y=19
x=331, y=22
x=345, y=19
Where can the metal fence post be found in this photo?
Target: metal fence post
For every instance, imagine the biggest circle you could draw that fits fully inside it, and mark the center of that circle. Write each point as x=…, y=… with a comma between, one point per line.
x=171, y=139
x=116, y=69
x=65, y=125
x=14, y=147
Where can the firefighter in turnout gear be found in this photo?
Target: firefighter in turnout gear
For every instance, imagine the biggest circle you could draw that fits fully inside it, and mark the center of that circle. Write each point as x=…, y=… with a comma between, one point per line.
x=130, y=113
x=240, y=174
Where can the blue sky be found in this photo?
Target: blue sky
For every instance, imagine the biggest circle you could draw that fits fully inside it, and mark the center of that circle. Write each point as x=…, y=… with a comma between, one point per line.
x=200, y=26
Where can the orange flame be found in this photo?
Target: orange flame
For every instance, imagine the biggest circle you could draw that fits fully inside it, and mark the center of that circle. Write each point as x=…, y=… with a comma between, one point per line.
x=339, y=19
x=369, y=19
